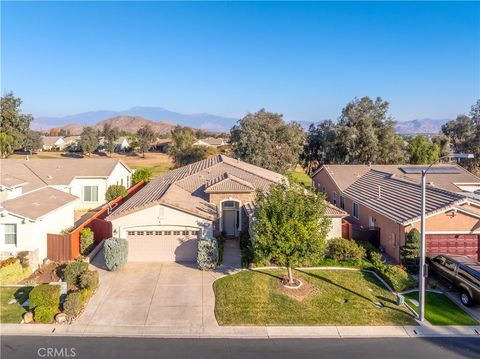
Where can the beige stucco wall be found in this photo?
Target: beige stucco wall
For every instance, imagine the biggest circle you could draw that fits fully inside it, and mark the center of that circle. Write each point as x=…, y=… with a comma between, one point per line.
x=159, y=217
x=335, y=228
x=32, y=235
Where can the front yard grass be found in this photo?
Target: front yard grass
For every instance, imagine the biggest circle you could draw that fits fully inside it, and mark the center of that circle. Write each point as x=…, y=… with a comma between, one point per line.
x=329, y=297
x=10, y=313
x=440, y=310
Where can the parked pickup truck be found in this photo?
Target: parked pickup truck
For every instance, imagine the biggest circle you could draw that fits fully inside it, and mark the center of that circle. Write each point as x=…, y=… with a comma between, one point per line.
x=461, y=272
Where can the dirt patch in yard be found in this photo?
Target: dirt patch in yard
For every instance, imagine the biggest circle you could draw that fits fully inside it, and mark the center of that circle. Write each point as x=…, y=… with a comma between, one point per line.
x=300, y=293
x=44, y=274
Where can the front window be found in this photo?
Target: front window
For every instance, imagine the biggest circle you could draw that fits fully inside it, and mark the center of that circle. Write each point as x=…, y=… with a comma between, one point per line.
x=90, y=193
x=335, y=198
x=356, y=212
x=342, y=202
x=10, y=234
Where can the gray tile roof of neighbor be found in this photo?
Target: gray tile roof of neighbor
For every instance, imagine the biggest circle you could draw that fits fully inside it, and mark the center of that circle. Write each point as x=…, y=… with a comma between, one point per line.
x=38, y=203
x=397, y=198
x=190, y=184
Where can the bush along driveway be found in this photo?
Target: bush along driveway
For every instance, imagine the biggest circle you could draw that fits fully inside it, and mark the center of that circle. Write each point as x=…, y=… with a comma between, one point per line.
x=328, y=297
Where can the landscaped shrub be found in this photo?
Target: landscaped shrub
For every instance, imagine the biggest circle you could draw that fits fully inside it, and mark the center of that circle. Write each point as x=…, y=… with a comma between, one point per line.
x=114, y=191
x=13, y=272
x=73, y=304
x=244, y=239
x=74, y=270
x=342, y=249
x=410, y=252
x=142, y=174
x=7, y=262
x=116, y=253
x=89, y=280
x=44, y=295
x=395, y=276
x=368, y=246
x=45, y=314
x=247, y=256
x=207, y=257
x=86, y=240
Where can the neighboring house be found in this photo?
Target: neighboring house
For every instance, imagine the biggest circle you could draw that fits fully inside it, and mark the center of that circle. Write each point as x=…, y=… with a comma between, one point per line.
x=387, y=198
x=53, y=143
x=162, y=145
x=210, y=142
x=162, y=221
x=122, y=145
x=72, y=143
x=40, y=196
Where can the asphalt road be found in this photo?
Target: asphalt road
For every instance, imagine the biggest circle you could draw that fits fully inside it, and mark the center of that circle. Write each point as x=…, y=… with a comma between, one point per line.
x=144, y=348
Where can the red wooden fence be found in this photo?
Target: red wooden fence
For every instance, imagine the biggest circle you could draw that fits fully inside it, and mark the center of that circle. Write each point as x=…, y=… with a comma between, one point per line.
x=67, y=246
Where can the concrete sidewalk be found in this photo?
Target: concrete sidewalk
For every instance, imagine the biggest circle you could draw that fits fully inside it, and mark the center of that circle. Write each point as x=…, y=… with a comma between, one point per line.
x=261, y=332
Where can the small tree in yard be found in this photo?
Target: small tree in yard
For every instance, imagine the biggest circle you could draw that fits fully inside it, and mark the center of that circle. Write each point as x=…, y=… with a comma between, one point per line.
x=145, y=137
x=411, y=251
x=114, y=191
x=142, y=174
x=290, y=226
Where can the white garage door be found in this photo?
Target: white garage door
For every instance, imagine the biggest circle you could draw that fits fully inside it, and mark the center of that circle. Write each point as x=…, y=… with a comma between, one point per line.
x=162, y=246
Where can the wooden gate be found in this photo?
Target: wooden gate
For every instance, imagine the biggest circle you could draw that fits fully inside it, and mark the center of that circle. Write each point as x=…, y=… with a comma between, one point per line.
x=58, y=247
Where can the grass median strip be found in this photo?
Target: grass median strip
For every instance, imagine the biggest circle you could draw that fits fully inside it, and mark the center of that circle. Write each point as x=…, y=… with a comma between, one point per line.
x=328, y=297
x=440, y=310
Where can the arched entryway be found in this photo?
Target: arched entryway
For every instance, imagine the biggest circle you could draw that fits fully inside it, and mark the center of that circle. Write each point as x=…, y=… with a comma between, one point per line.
x=231, y=220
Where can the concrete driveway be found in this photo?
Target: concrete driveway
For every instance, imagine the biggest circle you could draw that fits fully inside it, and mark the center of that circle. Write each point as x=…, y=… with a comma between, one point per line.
x=157, y=297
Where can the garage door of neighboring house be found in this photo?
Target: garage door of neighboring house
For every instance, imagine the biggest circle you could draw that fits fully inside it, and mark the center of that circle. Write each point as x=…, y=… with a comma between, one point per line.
x=162, y=246
x=465, y=244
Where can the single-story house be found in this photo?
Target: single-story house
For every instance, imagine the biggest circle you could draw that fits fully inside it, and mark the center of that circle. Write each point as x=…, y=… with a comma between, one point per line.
x=40, y=196
x=122, y=145
x=53, y=143
x=387, y=198
x=162, y=221
x=162, y=145
x=210, y=142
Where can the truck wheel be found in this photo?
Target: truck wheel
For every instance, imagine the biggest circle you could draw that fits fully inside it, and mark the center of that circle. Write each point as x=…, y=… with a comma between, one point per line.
x=466, y=299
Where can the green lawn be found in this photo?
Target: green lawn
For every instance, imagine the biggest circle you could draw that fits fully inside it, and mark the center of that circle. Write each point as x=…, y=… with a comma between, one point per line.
x=439, y=310
x=301, y=177
x=330, y=297
x=11, y=313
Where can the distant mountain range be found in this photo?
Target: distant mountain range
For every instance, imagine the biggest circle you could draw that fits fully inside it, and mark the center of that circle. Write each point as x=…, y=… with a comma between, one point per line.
x=163, y=120
x=425, y=126
x=125, y=123
x=154, y=114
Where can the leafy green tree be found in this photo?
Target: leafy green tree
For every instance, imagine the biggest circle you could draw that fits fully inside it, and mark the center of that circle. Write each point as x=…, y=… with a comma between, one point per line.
x=111, y=135
x=142, y=174
x=6, y=145
x=183, y=152
x=366, y=133
x=319, y=147
x=264, y=139
x=32, y=141
x=290, y=226
x=63, y=132
x=422, y=150
x=13, y=122
x=145, y=137
x=114, y=191
x=410, y=252
x=89, y=140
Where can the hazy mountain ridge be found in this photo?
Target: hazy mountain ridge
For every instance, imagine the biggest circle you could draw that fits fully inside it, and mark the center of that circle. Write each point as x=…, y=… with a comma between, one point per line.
x=201, y=120
x=423, y=126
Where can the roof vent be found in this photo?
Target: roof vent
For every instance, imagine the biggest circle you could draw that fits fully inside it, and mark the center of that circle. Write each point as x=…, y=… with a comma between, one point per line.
x=49, y=176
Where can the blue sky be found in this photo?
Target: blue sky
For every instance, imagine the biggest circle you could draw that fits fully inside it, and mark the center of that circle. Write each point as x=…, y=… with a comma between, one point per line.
x=305, y=60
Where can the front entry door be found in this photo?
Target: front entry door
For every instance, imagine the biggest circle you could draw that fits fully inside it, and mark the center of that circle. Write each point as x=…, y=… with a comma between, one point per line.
x=229, y=222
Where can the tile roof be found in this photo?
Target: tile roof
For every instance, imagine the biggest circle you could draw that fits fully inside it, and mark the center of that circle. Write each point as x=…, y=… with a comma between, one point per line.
x=228, y=183
x=38, y=203
x=51, y=140
x=193, y=178
x=39, y=173
x=346, y=175
x=334, y=211
x=397, y=198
